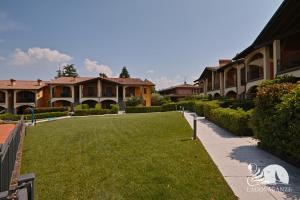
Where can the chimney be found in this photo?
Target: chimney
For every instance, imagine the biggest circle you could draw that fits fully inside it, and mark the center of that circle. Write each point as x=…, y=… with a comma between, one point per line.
x=223, y=62
x=12, y=82
x=39, y=82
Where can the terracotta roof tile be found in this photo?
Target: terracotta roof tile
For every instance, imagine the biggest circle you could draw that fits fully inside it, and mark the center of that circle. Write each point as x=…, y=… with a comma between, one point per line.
x=130, y=81
x=21, y=84
x=70, y=80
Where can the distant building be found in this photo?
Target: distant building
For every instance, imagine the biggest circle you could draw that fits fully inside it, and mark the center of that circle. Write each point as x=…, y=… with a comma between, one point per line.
x=17, y=95
x=180, y=91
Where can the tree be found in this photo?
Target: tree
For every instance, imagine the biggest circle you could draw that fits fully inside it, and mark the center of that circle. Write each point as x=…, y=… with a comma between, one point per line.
x=103, y=75
x=59, y=73
x=124, y=73
x=69, y=70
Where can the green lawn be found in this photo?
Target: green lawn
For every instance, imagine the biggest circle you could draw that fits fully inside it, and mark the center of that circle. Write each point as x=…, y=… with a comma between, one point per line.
x=136, y=156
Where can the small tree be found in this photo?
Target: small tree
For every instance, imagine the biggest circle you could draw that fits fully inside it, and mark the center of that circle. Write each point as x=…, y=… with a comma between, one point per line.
x=103, y=75
x=124, y=73
x=69, y=70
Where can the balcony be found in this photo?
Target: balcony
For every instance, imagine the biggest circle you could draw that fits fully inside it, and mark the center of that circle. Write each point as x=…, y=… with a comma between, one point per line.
x=216, y=86
x=255, y=73
x=61, y=92
x=230, y=83
x=89, y=92
x=25, y=97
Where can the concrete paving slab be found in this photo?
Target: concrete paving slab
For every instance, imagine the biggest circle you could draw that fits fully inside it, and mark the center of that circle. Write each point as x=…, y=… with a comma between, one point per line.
x=232, y=155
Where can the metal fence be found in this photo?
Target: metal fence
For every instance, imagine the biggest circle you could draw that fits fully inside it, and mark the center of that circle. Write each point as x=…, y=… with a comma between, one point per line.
x=8, y=155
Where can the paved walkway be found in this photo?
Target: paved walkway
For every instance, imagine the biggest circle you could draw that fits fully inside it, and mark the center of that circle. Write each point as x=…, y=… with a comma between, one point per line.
x=233, y=154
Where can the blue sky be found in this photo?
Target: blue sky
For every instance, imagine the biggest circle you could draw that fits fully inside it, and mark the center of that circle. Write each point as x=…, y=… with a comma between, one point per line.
x=167, y=41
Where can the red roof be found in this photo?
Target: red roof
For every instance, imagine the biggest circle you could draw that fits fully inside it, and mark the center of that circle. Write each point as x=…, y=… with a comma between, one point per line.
x=130, y=81
x=70, y=80
x=21, y=84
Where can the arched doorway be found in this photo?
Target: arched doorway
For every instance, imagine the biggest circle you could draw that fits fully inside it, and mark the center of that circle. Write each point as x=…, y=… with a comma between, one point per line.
x=231, y=95
x=217, y=96
x=106, y=104
x=91, y=103
x=21, y=109
x=251, y=93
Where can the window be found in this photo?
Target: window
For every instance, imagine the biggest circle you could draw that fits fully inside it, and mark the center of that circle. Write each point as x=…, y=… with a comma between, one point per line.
x=90, y=91
x=2, y=97
x=145, y=90
x=243, y=76
x=290, y=52
x=109, y=91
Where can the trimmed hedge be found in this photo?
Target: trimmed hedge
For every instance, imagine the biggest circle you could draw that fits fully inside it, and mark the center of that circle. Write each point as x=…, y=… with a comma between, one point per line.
x=142, y=109
x=47, y=110
x=235, y=121
x=245, y=104
x=46, y=115
x=8, y=116
x=84, y=112
x=203, y=108
x=169, y=107
x=187, y=105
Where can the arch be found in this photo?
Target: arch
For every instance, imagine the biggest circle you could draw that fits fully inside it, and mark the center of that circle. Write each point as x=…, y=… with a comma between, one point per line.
x=2, y=97
x=251, y=93
x=91, y=103
x=231, y=94
x=217, y=95
x=255, y=69
x=21, y=109
x=107, y=104
x=62, y=103
x=2, y=109
x=25, y=96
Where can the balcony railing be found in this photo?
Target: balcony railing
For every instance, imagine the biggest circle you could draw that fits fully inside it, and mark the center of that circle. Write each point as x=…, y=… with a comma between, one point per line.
x=63, y=95
x=25, y=100
x=216, y=86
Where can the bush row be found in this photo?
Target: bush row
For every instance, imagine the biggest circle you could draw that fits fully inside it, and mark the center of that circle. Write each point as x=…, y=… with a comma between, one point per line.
x=13, y=117
x=46, y=110
x=143, y=109
x=95, y=111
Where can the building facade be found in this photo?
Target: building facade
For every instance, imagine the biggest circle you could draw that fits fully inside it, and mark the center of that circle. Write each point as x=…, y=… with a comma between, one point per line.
x=180, y=91
x=275, y=52
x=17, y=95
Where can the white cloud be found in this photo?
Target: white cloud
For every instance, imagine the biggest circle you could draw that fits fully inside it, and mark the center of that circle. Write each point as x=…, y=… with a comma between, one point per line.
x=93, y=66
x=165, y=82
x=37, y=54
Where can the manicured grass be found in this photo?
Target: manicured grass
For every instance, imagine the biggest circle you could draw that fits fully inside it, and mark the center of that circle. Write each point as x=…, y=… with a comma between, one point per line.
x=135, y=156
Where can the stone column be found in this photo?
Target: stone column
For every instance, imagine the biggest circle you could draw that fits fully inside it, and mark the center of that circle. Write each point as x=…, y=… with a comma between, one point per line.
x=73, y=93
x=266, y=63
x=238, y=78
x=99, y=88
x=276, y=56
x=80, y=93
x=213, y=80
x=117, y=92
x=124, y=93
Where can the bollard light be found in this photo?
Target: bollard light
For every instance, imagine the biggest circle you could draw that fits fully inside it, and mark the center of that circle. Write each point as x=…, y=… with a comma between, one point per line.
x=195, y=127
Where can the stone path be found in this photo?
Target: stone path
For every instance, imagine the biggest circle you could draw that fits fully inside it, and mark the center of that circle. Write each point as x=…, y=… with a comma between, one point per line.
x=233, y=154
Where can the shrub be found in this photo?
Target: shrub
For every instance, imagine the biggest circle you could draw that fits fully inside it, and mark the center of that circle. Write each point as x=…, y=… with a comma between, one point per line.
x=114, y=109
x=85, y=106
x=143, y=109
x=168, y=107
x=98, y=106
x=203, y=108
x=187, y=105
x=275, y=120
x=83, y=112
x=134, y=101
x=158, y=100
x=9, y=116
x=235, y=121
x=46, y=115
x=245, y=104
x=46, y=110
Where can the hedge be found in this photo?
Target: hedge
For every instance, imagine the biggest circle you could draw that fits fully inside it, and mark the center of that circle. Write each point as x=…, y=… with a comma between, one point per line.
x=245, y=104
x=235, y=121
x=47, y=110
x=276, y=120
x=83, y=112
x=187, y=105
x=169, y=107
x=13, y=117
x=203, y=108
x=142, y=109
